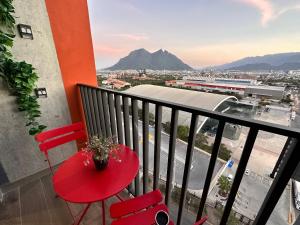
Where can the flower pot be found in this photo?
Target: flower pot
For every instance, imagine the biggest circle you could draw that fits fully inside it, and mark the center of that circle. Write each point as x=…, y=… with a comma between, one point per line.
x=100, y=164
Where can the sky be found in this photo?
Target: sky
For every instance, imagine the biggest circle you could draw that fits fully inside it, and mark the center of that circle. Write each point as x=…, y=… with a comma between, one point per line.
x=200, y=32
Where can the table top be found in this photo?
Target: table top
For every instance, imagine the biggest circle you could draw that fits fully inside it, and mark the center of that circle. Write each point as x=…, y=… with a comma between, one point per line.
x=79, y=183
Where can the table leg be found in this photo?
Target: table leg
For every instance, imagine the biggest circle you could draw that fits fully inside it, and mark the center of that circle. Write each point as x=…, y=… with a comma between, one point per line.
x=103, y=213
x=82, y=214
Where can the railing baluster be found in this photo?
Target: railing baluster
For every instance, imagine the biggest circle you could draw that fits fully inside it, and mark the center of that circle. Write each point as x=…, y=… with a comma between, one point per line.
x=127, y=130
x=101, y=112
x=280, y=158
x=106, y=113
x=171, y=158
x=119, y=119
x=282, y=178
x=145, y=146
x=85, y=108
x=96, y=109
x=126, y=122
x=135, y=135
x=187, y=165
x=157, y=144
x=112, y=115
x=92, y=109
x=239, y=173
x=87, y=101
x=211, y=167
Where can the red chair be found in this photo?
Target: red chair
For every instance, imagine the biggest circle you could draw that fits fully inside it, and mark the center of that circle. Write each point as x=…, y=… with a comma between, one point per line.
x=58, y=136
x=141, y=210
x=52, y=138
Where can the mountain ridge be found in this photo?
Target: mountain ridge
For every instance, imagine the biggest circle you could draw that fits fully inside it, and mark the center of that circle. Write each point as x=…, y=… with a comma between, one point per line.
x=143, y=59
x=279, y=61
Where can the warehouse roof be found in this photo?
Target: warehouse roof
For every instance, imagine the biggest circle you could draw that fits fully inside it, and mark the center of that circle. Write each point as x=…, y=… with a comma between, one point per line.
x=201, y=100
x=273, y=88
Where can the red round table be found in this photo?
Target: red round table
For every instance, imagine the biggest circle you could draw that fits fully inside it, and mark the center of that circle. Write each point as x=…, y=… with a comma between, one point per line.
x=79, y=183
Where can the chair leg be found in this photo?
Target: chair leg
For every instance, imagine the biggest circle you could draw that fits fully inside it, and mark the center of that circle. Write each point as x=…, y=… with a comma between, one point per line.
x=103, y=213
x=82, y=214
x=120, y=198
x=69, y=209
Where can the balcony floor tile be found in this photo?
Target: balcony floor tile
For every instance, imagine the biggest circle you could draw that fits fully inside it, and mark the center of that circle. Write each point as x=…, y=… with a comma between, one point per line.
x=35, y=203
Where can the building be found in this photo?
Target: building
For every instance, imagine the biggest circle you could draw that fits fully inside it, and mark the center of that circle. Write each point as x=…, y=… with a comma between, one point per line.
x=243, y=87
x=208, y=101
x=115, y=83
x=272, y=92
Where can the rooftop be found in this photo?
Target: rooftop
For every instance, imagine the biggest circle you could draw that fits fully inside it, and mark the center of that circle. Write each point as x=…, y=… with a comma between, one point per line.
x=197, y=99
x=201, y=100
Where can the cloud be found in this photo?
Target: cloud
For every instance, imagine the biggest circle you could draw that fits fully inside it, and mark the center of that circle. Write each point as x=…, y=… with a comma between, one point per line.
x=272, y=9
x=107, y=50
x=133, y=37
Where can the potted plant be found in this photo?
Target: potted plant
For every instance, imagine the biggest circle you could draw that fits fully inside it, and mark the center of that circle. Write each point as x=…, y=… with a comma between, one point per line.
x=100, y=149
x=224, y=186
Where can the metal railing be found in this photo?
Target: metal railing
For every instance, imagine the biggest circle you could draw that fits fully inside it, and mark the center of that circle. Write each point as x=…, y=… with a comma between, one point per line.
x=109, y=113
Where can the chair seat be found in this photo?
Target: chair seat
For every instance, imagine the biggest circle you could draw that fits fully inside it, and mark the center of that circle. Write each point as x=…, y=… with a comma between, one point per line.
x=136, y=204
x=142, y=218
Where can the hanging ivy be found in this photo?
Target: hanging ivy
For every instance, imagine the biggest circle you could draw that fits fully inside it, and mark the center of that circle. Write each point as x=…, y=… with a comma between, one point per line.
x=20, y=77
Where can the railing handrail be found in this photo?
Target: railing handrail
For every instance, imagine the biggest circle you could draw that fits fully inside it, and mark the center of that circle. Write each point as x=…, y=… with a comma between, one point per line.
x=260, y=125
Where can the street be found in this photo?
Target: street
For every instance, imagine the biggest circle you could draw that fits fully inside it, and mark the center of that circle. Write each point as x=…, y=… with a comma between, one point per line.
x=199, y=163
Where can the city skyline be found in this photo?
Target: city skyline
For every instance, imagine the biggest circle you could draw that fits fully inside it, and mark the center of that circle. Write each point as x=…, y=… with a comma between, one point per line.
x=201, y=33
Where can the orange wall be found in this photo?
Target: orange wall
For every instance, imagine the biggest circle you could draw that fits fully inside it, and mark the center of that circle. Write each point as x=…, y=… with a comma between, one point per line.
x=71, y=31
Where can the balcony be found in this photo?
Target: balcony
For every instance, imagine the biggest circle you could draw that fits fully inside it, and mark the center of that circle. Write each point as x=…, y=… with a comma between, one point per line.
x=112, y=113
x=128, y=118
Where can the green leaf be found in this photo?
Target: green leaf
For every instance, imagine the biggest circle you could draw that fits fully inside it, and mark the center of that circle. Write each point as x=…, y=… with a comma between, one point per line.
x=33, y=131
x=20, y=76
x=42, y=127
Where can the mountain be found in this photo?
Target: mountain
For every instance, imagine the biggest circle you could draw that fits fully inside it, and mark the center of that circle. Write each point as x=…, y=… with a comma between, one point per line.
x=281, y=61
x=142, y=59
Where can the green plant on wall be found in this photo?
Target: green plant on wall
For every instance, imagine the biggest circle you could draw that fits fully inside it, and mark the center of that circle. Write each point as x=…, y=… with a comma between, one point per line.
x=7, y=10
x=20, y=77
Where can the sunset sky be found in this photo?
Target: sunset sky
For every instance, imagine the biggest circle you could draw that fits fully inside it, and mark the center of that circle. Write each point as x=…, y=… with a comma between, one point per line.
x=200, y=32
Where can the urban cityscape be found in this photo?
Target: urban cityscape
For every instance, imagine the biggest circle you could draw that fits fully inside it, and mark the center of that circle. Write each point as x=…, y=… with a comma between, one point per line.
x=271, y=96
x=164, y=113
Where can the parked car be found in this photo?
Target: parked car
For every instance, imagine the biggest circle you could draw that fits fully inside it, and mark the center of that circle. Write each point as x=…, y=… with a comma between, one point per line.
x=247, y=172
x=230, y=177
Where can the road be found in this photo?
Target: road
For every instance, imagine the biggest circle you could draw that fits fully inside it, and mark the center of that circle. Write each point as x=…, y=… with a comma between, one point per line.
x=199, y=166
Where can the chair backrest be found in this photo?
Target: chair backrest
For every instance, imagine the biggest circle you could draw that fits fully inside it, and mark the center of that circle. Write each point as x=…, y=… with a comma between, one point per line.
x=52, y=138
x=201, y=221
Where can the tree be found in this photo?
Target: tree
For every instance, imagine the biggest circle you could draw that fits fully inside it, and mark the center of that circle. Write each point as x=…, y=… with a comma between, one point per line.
x=232, y=220
x=224, y=185
x=151, y=119
x=224, y=152
x=202, y=143
x=183, y=132
x=167, y=127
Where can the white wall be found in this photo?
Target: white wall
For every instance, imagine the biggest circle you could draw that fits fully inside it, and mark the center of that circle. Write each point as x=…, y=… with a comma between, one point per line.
x=19, y=154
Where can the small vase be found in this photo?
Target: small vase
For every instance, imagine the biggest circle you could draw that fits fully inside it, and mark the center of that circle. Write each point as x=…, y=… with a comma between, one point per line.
x=100, y=164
